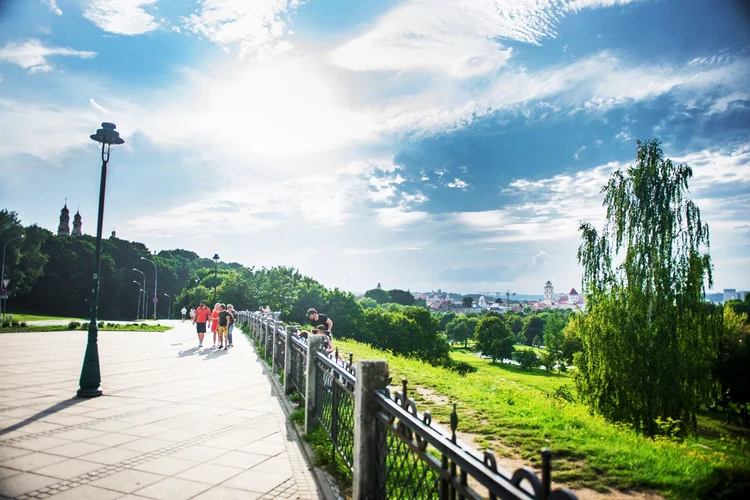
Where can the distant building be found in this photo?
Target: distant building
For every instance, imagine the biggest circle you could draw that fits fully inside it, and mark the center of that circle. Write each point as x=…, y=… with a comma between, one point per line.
x=77, y=224
x=730, y=294
x=549, y=293
x=113, y=235
x=64, y=228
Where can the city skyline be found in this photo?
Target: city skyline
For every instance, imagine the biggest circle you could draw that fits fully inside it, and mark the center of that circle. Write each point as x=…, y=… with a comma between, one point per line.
x=425, y=145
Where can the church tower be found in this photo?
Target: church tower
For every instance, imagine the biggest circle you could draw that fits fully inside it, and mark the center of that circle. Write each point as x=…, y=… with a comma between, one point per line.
x=64, y=228
x=77, y=223
x=549, y=293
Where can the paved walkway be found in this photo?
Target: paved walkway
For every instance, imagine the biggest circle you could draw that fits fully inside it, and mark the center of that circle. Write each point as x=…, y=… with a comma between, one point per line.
x=175, y=422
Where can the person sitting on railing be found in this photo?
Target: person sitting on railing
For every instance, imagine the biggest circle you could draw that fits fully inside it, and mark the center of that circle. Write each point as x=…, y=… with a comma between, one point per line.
x=320, y=319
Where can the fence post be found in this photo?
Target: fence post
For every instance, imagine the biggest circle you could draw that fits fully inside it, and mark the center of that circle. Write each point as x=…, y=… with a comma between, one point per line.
x=274, y=348
x=314, y=344
x=266, y=331
x=290, y=330
x=371, y=376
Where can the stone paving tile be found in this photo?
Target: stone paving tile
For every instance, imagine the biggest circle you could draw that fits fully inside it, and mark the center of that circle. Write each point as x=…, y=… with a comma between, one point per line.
x=128, y=481
x=32, y=461
x=224, y=493
x=173, y=488
x=23, y=483
x=68, y=469
x=174, y=438
x=87, y=492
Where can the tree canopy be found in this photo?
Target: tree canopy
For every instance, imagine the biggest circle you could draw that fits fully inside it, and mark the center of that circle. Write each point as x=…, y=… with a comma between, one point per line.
x=649, y=340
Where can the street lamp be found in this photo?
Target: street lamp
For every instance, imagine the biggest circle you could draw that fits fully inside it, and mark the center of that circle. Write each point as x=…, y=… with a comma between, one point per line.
x=145, y=305
x=140, y=294
x=169, y=306
x=156, y=281
x=216, y=274
x=90, y=383
x=2, y=283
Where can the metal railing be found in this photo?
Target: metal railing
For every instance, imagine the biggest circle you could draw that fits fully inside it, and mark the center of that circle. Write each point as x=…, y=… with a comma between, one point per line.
x=334, y=403
x=411, y=457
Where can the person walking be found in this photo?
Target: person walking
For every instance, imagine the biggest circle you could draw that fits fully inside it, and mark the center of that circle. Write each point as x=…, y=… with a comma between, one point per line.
x=192, y=313
x=183, y=311
x=232, y=320
x=224, y=316
x=200, y=318
x=215, y=322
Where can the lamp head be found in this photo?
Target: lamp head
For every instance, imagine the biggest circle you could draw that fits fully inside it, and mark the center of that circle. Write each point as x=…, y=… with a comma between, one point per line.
x=108, y=135
x=216, y=256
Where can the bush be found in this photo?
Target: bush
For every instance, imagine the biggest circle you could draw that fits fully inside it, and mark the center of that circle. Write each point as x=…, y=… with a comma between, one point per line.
x=461, y=367
x=74, y=325
x=6, y=323
x=527, y=359
x=100, y=325
x=23, y=324
x=14, y=324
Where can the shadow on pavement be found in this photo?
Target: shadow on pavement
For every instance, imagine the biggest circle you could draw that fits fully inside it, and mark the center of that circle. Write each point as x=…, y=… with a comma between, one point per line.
x=44, y=413
x=188, y=352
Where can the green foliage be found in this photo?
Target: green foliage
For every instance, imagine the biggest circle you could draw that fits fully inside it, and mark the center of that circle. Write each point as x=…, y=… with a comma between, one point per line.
x=73, y=325
x=378, y=295
x=444, y=319
x=461, y=367
x=461, y=329
x=526, y=358
x=494, y=338
x=515, y=413
x=402, y=297
x=467, y=301
x=368, y=303
x=733, y=360
x=533, y=327
x=649, y=341
x=554, y=340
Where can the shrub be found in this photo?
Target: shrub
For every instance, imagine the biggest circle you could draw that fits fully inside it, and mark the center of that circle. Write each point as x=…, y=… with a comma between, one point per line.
x=527, y=359
x=100, y=324
x=461, y=367
x=14, y=324
x=6, y=323
x=23, y=324
x=74, y=325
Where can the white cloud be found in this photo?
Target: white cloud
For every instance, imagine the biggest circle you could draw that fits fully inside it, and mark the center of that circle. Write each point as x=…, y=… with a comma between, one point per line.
x=32, y=55
x=123, y=17
x=52, y=4
x=455, y=38
x=539, y=260
x=255, y=27
x=457, y=184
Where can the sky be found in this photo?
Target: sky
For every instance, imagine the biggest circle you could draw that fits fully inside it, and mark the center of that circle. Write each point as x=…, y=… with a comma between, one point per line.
x=422, y=144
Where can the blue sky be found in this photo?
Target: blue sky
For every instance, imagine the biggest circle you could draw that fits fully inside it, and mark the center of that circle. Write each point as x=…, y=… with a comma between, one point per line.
x=424, y=144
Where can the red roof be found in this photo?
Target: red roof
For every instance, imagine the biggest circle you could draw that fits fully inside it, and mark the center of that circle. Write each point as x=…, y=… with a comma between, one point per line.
x=573, y=292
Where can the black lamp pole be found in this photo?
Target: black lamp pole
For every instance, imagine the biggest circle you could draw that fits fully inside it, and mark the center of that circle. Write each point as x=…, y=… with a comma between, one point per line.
x=90, y=383
x=216, y=274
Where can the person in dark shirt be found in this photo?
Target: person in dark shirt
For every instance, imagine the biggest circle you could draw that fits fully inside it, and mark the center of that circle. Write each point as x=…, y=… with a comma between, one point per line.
x=223, y=326
x=317, y=319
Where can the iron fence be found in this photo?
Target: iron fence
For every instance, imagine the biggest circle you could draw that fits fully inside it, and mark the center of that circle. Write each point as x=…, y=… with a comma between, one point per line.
x=415, y=458
x=297, y=376
x=334, y=403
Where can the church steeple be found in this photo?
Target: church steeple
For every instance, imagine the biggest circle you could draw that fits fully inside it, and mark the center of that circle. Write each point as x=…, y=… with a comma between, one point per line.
x=77, y=224
x=64, y=228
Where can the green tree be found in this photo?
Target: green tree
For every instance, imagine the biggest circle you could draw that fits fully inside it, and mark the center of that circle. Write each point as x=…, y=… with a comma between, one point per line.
x=379, y=295
x=554, y=338
x=649, y=340
x=467, y=301
x=733, y=361
x=461, y=329
x=527, y=359
x=494, y=338
x=446, y=318
x=402, y=297
x=533, y=327
x=368, y=303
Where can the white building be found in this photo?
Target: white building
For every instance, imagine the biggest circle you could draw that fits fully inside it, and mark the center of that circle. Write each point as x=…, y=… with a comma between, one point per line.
x=549, y=293
x=730, y=294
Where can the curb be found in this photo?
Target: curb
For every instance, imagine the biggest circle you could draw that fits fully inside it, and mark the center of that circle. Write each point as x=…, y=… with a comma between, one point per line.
x=324, y=487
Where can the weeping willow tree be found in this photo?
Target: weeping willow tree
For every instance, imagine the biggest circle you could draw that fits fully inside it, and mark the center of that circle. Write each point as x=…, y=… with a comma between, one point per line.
x=649, y=338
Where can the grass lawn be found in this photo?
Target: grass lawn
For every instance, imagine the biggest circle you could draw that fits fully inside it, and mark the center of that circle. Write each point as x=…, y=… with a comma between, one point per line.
x=516, y=414
x=34, y=317
x=107, y=327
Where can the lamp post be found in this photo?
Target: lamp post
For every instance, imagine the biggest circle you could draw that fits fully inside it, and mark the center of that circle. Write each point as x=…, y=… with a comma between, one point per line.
x=90, y=383
x=140, y=294
x=216, y=274
x=145, y=305
x=508, y=294
x=156, y=281
x=3, y=287
x=169, y=306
